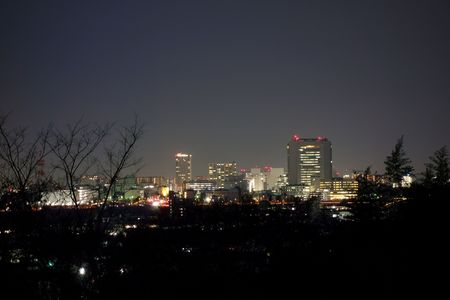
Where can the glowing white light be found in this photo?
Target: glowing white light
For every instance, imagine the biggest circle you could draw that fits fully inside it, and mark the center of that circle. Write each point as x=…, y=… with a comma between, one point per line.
x=82, y=271
x=155, y=203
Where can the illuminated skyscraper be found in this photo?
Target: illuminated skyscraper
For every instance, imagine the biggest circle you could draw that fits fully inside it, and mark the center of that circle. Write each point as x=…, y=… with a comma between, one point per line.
x=221, y=172
x=183, y=170
x=309, y=160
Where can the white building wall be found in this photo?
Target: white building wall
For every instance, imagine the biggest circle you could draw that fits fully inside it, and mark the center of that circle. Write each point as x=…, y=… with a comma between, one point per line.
x=272, y=177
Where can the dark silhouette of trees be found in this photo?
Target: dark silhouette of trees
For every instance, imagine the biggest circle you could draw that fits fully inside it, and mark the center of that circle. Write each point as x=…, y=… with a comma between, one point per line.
x=118, y=157
x=397, y=164
x=20, y=156
x=427, y=176
x=438, y=171
x=370, y=201
x=429, y=195
x=74, y=149
x=107, y=150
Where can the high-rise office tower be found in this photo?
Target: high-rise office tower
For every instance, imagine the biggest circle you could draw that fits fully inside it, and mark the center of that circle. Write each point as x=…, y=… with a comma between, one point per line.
x=183, y=170
x=221, y=172
x=309, y=160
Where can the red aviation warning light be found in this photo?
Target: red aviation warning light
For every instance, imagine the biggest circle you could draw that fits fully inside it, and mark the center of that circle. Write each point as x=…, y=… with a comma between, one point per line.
x=295, y=138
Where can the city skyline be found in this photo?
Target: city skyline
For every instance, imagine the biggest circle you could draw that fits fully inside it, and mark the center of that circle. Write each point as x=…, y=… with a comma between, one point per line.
x=234, y=80
x=206, y=149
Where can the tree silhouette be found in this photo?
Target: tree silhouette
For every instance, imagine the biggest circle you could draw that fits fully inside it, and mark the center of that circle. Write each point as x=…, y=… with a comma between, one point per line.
x=428, y=176
x=20, y=157
x=75, y=148
x=83, y=148
x=117, y=157
x=397, y=164
x=438, y=170
x=370, y=201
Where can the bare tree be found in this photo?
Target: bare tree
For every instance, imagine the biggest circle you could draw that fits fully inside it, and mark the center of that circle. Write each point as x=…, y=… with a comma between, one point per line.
x=117, y=158
x=20, y=158
x=74, y=149
x=78, y=151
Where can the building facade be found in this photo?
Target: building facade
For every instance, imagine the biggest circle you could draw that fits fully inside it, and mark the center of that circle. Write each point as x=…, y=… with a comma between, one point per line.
x=200, y=185
x=261, y=179
x=339, y=189
x=256, y=180
x=272, y=177
x=151, y=180
x=220, y=173
x=183, y=169
x=309, y=160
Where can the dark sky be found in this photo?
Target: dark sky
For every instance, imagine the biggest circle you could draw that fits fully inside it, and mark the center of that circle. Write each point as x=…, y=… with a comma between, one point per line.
x=233, y=80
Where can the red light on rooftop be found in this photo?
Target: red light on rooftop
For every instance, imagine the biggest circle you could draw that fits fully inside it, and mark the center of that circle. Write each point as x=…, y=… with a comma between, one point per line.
x=320, y=138
x=295, y=138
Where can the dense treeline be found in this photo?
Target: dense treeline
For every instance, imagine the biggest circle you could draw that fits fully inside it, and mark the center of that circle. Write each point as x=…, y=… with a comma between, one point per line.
x=236, y=251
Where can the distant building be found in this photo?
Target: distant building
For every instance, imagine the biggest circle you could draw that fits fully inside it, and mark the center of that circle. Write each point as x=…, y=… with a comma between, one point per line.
x=183, y=171
x=189, y=194
x=256, y=180
x=293, y=190
x=171, y=184
x=92, y=180
x=125, y=183
x=309, y=160
x=156, y=181
x=201, y=185
x=236, y=181
x=226, y=195
x=261, y=179
x=377, y=178
x=282, y=181
x=339, y=189
x=221, y=172
x=84, y=195
x=272, y=177
x=134, y=194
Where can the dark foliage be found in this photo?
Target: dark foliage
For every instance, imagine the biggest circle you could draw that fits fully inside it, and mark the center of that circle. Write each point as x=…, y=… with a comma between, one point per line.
x=237, y=251
x=397, y=164
x=438, y=170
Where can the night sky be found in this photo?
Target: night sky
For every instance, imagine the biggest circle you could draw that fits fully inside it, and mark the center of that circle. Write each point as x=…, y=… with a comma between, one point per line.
x=233, y=80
